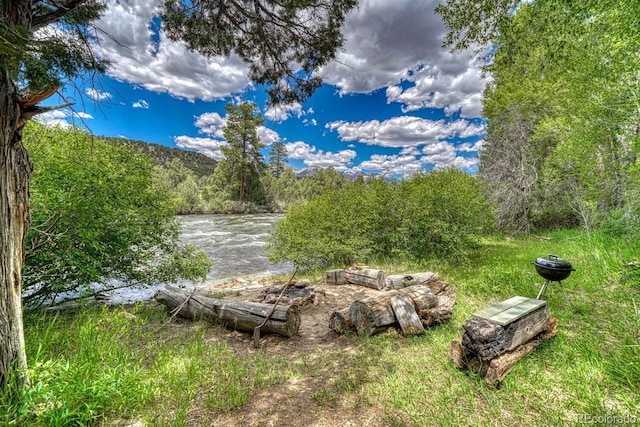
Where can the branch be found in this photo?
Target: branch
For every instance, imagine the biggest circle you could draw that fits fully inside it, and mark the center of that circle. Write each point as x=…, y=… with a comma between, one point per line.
x=63, y=9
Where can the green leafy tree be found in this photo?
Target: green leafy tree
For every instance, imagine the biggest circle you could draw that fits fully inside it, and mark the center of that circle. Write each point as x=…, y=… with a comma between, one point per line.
x=568, y=72
x=98, y=214
x=273, y=37
x=278, y=159
x=242, y=151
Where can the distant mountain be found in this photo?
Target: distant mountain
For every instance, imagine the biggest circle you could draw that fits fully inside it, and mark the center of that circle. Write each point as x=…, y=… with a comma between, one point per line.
x=200, y=164
x=306, y=172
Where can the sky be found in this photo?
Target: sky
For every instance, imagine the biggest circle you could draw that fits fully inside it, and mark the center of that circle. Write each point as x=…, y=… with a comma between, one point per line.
x=393, y=103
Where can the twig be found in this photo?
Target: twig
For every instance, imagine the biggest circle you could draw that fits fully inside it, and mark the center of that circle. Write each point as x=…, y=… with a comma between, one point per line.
x=176, y=310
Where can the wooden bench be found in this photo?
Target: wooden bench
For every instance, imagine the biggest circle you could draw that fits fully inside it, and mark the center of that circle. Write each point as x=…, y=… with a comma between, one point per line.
x=497, y=337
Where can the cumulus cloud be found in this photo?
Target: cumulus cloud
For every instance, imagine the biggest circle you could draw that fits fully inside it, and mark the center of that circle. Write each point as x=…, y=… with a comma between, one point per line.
x=390, y=42
x=404, y=131
x=141, y=54
x=207, y=146
x=63, y=117
x=97, y=95
x=280, y=113
x=312, y=156
x=141, y=103
x=212, y=124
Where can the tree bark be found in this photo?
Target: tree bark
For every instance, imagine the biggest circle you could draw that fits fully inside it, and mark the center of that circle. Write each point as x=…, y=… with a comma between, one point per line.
x=15, y=173
x=340, y=321
x=244, y=316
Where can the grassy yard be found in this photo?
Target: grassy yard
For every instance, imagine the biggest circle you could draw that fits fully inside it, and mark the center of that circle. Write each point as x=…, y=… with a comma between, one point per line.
x=127, y=366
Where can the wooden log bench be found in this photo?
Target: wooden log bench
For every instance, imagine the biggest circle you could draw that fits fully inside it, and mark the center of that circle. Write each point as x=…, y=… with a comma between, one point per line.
x=496, y=338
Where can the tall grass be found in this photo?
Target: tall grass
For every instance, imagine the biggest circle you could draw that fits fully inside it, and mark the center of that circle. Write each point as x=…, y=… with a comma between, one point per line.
x=126, y=366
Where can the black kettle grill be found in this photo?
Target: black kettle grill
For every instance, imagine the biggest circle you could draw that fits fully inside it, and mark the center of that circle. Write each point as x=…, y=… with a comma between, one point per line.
x=553, y=269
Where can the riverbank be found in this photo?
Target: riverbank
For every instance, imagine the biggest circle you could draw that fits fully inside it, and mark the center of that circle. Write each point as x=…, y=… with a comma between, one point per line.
x=134, y=367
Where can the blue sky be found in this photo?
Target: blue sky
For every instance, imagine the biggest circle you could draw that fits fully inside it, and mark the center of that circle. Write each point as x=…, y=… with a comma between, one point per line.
x=393, y=103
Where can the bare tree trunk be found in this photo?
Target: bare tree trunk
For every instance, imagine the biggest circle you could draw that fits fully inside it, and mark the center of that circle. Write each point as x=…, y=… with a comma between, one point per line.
x=15, y=172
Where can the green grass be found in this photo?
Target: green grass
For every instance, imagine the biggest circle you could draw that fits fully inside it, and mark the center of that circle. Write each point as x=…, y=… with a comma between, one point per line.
x=119, y=366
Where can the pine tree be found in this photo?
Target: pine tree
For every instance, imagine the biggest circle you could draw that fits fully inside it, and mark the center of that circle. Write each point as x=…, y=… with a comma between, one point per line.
x=277, y=159
x=242, y=152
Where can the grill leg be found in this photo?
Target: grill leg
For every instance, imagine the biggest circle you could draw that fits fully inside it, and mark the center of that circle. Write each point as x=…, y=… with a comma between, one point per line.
x=542, y=289
x=565, y=295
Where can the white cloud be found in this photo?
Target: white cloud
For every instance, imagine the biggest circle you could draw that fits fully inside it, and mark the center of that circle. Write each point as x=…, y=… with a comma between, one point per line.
x=54, y=118
x=141, y=103
x=154, y=62
x=267, y=136
x=312, y=156
x=211, y=124
x=388, y=42
x=280, y=113
x=61, y=117
x=97, y=95
x=207, y=146
x=404, y=131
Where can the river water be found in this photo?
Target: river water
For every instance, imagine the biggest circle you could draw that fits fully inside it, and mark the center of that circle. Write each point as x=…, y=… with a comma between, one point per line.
x=235, y=244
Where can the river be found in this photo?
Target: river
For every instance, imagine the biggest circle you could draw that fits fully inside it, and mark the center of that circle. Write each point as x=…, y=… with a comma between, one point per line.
x=235, y=244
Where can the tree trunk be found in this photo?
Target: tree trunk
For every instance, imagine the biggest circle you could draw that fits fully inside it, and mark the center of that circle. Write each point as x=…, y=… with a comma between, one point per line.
x=244, y=316
x=15, y=172
x=340, y=321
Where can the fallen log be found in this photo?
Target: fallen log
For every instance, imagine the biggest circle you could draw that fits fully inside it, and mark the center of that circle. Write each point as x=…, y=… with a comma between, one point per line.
x=244, y=316
x=406, y=315
x=368, y=277
x=488, y=339
x=494, y=371
x=340, y=321
x=335, y=277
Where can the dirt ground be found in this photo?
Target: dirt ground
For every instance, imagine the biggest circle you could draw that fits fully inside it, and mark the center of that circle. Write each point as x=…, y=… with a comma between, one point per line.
x=292, y=403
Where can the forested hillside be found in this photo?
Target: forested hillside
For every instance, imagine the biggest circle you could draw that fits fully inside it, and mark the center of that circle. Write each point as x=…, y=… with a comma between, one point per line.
x=162, y=155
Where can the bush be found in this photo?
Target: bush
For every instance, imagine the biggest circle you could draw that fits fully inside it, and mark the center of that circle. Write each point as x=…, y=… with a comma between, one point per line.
x=440, y=213
x=98, y=213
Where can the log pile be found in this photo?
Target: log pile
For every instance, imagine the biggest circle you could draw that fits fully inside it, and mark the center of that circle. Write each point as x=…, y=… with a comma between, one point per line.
x=423, y=300
x=491, y=349
x=243, y=316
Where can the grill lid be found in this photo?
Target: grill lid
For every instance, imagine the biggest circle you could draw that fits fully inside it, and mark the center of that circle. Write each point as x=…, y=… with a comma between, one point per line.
x=554, y=263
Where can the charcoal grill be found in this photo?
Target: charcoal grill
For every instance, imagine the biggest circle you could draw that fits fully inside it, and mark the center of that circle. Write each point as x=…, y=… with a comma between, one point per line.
x=553, y=269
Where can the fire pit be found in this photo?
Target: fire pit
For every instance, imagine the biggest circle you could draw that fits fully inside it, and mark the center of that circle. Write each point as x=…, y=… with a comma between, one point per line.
x=553, y=269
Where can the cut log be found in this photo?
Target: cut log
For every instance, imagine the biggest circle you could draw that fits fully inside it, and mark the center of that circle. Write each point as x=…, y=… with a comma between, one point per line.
x=395, y=281
x=340, y=321
x=406, y=315
x=244, y=316
x=495, y=370
x=422, y=297
x=488, y=339
x=374, y=314
x=335, y=277
x=439, y=314
x=368, y=277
